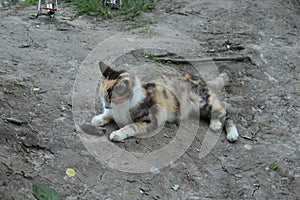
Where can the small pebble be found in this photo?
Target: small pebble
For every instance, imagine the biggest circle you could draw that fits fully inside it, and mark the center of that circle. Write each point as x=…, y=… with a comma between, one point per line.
x=247, y=146
x=154, y=170
x=175, y=187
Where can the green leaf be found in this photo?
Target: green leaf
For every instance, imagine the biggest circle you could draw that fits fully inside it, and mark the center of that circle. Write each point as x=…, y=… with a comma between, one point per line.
x=273, y=166
x=42, y=192
x=132, y=40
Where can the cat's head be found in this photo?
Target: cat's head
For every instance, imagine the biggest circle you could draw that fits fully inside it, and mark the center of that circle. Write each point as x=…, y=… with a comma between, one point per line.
x=117, y=86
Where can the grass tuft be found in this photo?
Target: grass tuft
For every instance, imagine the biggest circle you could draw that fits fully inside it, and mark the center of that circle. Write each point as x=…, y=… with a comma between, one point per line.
x=91, y=7
x=28, y=2
x=129, y=8
x=132, y=8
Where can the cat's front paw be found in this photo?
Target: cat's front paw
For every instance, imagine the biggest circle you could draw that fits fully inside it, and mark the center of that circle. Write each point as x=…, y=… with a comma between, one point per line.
x=215, y=125
x=118, y=136
x=101, y=120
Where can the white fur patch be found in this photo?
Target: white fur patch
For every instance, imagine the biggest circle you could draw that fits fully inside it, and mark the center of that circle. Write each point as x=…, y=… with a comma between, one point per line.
x=117, y=136
x=232, y=134
x=121, y=114
x=138, y=94
x=102, y=119
x=215, y=125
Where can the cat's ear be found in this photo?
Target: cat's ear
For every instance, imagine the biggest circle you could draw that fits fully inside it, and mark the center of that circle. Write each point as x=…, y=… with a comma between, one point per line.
x=126, y=83
x=104, y=68
x=107, y=72
x=123, y=87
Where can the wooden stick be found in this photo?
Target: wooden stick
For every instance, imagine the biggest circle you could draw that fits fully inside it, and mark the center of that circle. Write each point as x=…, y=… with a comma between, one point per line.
x=246, y=137
x=233, y=59
x=13, y=120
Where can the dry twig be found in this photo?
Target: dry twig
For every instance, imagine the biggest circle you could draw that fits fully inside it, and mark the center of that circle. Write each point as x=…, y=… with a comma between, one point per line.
x=14, y=120
x=185, y=61
x=247, y=137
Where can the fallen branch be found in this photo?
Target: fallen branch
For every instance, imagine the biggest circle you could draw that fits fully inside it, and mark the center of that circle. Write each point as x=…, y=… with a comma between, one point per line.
x=14, y=120
x=186, y=61
x=247, y=137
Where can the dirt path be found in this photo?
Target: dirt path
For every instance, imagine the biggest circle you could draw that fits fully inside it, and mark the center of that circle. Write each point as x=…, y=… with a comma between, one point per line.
x=39, y=62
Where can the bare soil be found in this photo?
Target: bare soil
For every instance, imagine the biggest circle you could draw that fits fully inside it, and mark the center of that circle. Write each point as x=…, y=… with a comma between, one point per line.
x=39, y=62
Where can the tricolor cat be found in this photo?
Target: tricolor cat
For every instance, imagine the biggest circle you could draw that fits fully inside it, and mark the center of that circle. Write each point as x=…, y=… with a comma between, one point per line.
x=142, y=101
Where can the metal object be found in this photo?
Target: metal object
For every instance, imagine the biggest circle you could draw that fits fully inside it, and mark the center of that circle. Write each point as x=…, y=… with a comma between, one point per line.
x=50, y=6
x=113, y=3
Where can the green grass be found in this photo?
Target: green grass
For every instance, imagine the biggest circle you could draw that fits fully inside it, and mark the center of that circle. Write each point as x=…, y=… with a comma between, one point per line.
x=31, y=1
x=132, y=8
x=28, y=2
x=129, y=8
x=270, y=119
x=91, y=7
x=151, y=56
x=143, y=24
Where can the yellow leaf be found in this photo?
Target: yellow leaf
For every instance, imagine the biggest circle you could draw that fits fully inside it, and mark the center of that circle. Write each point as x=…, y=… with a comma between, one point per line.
x=70, y=172
x=36, y=89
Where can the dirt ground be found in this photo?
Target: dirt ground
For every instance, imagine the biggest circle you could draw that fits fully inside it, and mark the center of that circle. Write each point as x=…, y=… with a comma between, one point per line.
x=39, y=62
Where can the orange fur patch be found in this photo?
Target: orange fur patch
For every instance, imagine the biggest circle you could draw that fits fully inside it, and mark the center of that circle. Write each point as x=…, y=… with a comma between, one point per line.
x=165, y=98
x=109, y=83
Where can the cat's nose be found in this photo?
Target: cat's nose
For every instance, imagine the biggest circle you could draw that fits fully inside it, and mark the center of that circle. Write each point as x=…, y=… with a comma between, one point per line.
x=107, y=106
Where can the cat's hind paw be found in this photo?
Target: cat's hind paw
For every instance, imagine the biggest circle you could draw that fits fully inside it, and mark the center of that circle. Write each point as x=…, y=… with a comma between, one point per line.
x=232, y=134
x=101, y=120
x=118, y=136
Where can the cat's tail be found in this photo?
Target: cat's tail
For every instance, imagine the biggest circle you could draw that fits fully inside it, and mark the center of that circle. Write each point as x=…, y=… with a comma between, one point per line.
x=230, y=127
x=221, y=80
x=225, y=74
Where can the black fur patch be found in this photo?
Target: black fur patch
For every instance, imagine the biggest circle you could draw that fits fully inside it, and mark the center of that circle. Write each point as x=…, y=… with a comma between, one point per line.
x=111, y=74
x=149, y=86
x=109, y=93
x=165, y=94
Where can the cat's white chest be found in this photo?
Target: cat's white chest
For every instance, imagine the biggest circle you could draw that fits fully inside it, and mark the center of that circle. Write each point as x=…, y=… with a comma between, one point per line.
x=121, y=114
